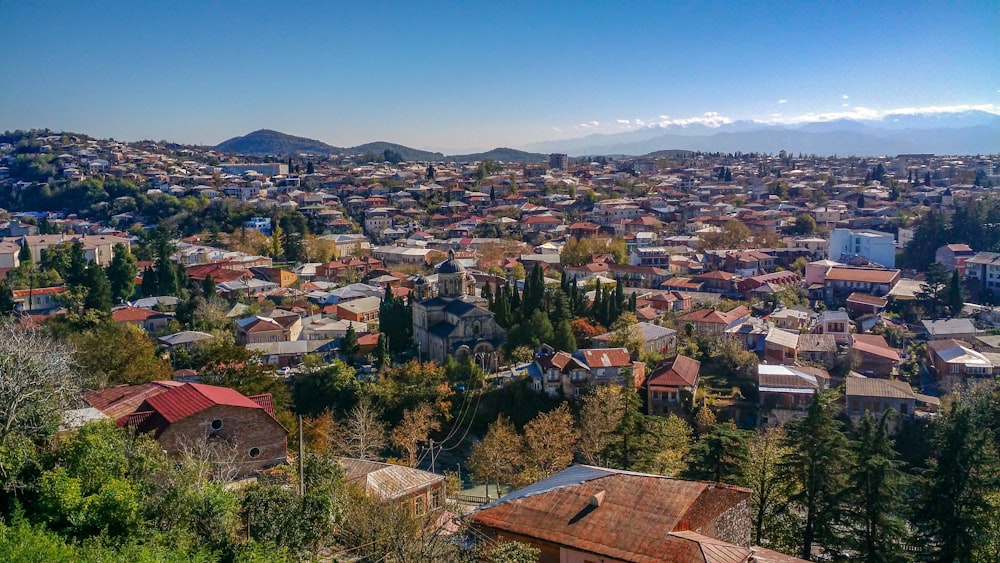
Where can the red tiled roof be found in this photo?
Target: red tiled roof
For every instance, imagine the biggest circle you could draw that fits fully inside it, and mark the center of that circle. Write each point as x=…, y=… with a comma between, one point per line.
x=632, y=521
x=265, y=401
x=38, y=291
x=191, y=398
x=606, y=357
x=133, y=314
x=681, y=372
x=861, y=275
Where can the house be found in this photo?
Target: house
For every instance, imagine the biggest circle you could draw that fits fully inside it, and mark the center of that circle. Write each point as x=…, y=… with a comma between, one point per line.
x=38, y=300
x=147, y=319
x=672, y=384
x=364, y=310
x=781, y=346
x=865, y=304
x=609, y=365
x=768, y=283
x=185, y=339
x=819, y=348
x=666, y=301
x=656, y=339
x=785, y=392
x=423, y=492
x=240, y=432
x=281, y=326
x=954, y=256
x=955, y=362
x=844, y=280
x=561, y=373
x=984, y=268
x=874, y=355
x=713, y=321
x=586, y=513
x=791, y=319
x=943, y=329
x=876, y=246
x=718, y=281
x=876, y=396
x=837, y=323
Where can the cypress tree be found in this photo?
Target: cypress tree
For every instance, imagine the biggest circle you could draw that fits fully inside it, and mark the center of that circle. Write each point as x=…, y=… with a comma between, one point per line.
x=150, y=283
x=98, y=289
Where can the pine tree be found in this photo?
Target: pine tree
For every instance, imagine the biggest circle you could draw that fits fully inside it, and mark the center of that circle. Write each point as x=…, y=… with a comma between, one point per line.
x=721, y=453
x=382, y=351
x=877, y=494
x=819, y=462
x=150, y=283
x=24, y=257
x=208, y=286
x=121, y=273
x=487, y=294
x=349, y=343
x=6, y=298
x=98, y=289
x=954, y=298
x=961, y=472
x=563, y=337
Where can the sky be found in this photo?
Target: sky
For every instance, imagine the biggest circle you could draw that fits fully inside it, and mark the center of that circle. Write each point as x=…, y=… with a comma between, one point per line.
x=457, y=76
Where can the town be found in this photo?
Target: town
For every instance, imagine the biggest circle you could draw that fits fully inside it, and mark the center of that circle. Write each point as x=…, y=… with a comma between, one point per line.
x=521, y=357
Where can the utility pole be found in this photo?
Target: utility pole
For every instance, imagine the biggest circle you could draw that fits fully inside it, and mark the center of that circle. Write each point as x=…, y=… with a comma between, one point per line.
x=432, y=455
x=302, y=471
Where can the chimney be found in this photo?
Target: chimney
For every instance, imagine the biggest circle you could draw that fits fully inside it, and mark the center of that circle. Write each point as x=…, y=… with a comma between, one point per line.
x=597, y=499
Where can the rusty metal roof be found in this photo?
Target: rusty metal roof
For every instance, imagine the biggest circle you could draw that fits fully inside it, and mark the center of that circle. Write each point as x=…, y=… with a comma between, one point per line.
x=385, y=480
x=122, y=400
x=632, y=522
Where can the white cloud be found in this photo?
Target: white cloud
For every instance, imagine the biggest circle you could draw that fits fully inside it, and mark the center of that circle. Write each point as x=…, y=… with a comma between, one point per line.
x=863, y=113
x=624, y=122
x=638, y=122
x=844, y=97
x=709, y=119
x=557, y=130
x=782, y=101
x=589, y=124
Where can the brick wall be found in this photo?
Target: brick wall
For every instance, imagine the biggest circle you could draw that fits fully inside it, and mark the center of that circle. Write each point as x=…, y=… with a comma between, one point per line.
x=242, y=429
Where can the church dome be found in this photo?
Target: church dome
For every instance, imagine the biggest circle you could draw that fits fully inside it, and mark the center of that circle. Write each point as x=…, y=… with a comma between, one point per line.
x=450, y=266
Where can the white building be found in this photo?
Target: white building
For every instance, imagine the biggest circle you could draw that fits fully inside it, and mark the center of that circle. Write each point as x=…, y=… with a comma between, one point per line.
x=876, y=246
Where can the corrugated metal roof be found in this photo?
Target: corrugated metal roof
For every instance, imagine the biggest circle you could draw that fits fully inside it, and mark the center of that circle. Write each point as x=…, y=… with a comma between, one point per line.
x=385, y=480
x=191, y=398
x=632, y=522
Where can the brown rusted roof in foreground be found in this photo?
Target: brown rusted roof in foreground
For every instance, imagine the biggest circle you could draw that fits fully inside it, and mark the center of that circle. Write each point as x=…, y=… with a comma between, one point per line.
x=633, y=521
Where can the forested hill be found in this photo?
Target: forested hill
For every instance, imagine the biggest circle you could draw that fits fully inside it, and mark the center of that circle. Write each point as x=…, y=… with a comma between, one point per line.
x=268, y=142
x=501, y=154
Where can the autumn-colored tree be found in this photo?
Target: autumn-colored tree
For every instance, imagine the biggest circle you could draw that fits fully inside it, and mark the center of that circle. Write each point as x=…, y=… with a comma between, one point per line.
x=364, y=432
x=549, y=442
x=414, y=430
x=761, y=473
x=497, y=458
x=600, y=417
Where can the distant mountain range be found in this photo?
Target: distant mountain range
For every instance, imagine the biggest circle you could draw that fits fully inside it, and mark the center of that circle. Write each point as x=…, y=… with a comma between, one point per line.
x=971, y=132
x=267, y=142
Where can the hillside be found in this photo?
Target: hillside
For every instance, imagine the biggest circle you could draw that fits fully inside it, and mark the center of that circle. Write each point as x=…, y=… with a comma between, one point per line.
x=406, y=152
x=502, y=154
x=268, y=142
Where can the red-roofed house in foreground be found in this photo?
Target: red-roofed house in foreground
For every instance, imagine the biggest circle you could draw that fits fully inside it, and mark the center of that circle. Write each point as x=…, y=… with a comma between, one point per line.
x=185, y=416
x=586, y=513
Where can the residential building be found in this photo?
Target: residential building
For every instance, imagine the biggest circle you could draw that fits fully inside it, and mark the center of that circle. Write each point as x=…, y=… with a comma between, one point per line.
x=238, y=430
x=560, y=373
x=875, y=246
x=38, y=300
x=363, y=310
x=818, y=348
x=558, y=161
x=956, y=363
x=422, y=492
x=672, y=385
x=781, y=346
x=147, y=319
x=281, y=326
x=656, y=339
x=713, y=321
x=943, y=329
x=865, y=395
x=874, y=355
x=836, y=323
x=841, y=281
x=984, y=267
x=785, y=392
x=586, y=513
x=264, y=169
x=954, y=256
x=262, y=224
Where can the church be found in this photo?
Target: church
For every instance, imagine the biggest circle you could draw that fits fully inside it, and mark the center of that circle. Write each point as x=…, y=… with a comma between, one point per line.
x=450, y=319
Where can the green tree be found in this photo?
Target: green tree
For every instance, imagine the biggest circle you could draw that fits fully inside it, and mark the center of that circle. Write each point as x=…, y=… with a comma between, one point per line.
x=721, y=453
x=349, y=347
x=122, y=272
x=117, y=354
x=819, y=461
x=960, y=474
x=877, y=493
x=805, y=224
x=954, y=299
x=563, y=337
x=933, y=293
x=150, y=285
x=762, y=473
x=98, y=295
x=24, y=258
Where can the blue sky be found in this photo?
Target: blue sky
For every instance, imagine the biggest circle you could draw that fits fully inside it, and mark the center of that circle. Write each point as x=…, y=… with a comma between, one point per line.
x=467, y=75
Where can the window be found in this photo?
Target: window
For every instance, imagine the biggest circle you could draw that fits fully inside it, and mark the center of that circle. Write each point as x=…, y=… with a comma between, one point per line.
x=419, y=505
x=217, y=424
x=254, y=453
x=437, y=498
x=656, y=395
